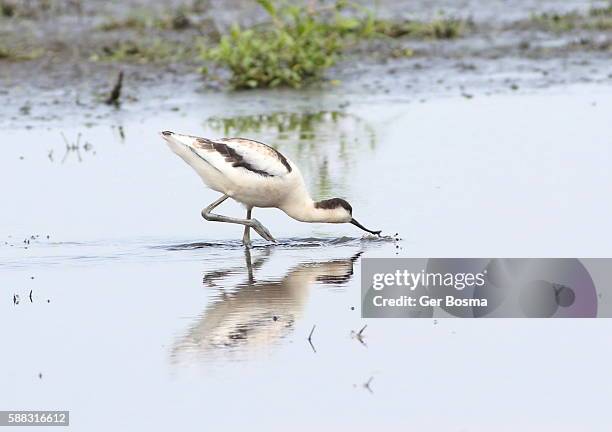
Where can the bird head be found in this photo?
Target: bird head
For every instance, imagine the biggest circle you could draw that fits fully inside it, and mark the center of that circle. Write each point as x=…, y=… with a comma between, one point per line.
x=340, y=211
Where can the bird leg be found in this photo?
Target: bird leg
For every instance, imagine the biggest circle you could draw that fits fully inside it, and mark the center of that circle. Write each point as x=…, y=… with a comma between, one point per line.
x=251, y=223
x=246, y=237
x=249, y=265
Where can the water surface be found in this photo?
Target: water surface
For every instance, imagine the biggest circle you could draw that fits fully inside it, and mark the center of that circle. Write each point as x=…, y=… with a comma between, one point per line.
x=142, y=315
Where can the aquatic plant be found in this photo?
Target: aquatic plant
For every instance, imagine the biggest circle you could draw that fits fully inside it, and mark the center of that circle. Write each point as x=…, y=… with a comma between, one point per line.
x=295, y=47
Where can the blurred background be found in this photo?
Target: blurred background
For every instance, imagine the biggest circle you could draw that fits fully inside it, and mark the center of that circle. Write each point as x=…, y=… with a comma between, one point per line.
x=60, y=58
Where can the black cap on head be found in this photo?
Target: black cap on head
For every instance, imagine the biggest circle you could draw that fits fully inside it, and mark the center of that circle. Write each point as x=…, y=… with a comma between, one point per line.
x=333, y=203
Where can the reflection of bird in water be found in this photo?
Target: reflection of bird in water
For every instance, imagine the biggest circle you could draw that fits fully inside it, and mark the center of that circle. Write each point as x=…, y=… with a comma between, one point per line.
x=255, y=175
x=259, y=313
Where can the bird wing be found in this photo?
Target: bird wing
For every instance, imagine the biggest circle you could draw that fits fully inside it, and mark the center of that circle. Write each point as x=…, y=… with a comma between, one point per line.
x=227, y=154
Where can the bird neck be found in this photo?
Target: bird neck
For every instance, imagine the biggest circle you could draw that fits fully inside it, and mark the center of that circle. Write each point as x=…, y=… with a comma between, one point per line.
x=303, y=208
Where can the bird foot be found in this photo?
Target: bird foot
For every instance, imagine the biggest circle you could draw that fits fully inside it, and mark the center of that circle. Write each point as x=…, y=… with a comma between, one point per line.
x=262, y=230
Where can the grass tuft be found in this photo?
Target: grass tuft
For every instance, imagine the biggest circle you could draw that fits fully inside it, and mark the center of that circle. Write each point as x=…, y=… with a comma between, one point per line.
x=146, y=52
x=595, y=19
x=294, y=49
x=8, y=9
x=602, y=11
x=173, y=20
x=440, y=28
x=15, y=55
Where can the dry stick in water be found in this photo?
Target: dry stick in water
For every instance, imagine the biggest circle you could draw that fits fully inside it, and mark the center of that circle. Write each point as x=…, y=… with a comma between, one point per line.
x=113, y=98
x=366, y=385
x=72, y=147
x=359, y=335
x=310, y=338
x=361, y=331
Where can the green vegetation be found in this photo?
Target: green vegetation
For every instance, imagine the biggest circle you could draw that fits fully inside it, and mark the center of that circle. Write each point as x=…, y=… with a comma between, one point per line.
x=144, y=52
x=21, y=54
x=5, y=53
x=36, y=9
x=440, y=28
x=8, y=9
x=294, y=49
x=601, y=18
x=301, y=42
x=298, y=125
x=556, y=22
x=142, y=20
x=602, y=12
x=596, y=19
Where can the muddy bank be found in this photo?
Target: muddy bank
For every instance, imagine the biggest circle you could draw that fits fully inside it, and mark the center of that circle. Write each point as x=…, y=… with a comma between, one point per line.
x=60, y=59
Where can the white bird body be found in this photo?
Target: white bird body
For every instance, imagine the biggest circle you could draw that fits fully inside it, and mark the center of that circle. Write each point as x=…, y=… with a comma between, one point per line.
x=243, y=185
x=255, y=175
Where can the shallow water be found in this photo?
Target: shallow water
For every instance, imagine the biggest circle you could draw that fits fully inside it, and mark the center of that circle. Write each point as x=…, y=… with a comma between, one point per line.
x=142, y=315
